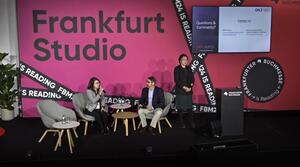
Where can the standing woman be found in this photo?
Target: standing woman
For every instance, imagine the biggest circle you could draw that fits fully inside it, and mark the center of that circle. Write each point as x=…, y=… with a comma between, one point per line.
x=94, y=107
x=184, y=80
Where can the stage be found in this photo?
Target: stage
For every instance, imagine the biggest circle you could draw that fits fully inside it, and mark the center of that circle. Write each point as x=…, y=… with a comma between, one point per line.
x=274, y=133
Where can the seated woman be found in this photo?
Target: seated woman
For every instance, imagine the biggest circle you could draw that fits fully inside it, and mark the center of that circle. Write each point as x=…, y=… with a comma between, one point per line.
x=95, y=94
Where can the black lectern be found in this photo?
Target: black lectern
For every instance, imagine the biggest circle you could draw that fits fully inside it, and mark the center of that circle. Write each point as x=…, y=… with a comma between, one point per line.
x=230, y=104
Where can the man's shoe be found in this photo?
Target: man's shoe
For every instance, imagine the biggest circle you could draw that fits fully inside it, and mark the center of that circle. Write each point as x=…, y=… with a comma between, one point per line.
x=106, y=131
x=193, y=125
x=182, y=125
x=151, y=130
x=101, y=131
x=142, y=130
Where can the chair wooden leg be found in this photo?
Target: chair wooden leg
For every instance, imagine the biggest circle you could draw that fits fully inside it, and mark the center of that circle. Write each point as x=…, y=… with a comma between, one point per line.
x=70, y=141
x=139, y=125
x=159, y=128
x=115, y=126
x=75, y=133
x=58, y=143
x=168, y=122
x=85, y=127
x=44, y=134
x=71, y=138
x=113, y=123
x=133, y=122
x=126, y=126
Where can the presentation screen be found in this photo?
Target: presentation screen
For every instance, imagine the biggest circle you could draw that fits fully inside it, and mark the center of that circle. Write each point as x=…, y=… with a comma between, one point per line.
x=231, y=29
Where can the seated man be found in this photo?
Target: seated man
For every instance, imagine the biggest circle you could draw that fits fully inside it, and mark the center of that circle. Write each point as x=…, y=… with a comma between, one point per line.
x=151, y=103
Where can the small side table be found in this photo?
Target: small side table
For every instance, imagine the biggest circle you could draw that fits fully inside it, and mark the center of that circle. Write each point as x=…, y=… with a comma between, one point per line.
x=120, y=106
x=124, y=116
x=62, y=126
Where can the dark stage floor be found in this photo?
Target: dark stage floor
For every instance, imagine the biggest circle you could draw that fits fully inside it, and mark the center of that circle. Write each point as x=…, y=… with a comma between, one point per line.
x=274, y=134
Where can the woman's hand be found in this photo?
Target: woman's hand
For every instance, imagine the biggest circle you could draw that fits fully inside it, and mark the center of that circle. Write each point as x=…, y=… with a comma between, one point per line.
x=187, y=89
x=100, y=90
x=150, y=108
x=140, y=106
x=103, y=109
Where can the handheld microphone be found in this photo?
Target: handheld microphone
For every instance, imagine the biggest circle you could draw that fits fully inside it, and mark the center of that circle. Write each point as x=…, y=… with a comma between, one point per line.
x=102, y=90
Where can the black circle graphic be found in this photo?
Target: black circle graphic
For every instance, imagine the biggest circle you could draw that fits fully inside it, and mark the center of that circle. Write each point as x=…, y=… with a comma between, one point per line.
x=262, y=79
